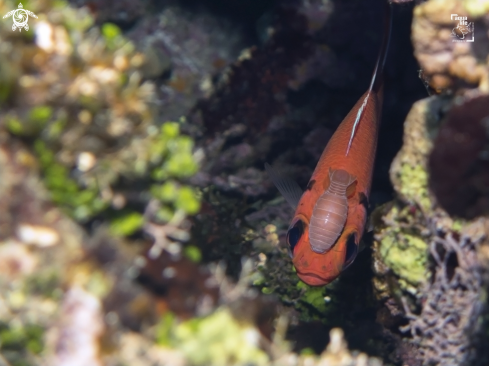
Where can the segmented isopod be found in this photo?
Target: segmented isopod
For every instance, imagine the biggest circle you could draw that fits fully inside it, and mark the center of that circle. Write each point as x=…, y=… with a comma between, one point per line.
x=330, y=212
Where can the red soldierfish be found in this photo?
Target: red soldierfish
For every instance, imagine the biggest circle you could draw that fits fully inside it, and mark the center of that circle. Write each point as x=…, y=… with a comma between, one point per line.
x=330, y=215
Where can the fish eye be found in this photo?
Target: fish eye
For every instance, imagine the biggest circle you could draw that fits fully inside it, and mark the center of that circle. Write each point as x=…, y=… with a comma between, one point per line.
x=351, y=251
x=294, y=234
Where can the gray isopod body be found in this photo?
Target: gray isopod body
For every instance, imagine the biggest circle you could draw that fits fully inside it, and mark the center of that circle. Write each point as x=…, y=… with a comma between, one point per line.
x=329, y=214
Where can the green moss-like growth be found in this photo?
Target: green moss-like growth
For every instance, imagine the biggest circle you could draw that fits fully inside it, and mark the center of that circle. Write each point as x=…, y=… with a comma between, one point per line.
x=219, y=340
x=80, y=203
x=414, y=185
x=406, y=255
x=35, y=120
x=166, y=149
x=126, y=223
x=278, y=277
x=164, y=330
x=176, y=149
x=45, y=283
x=400, y=246
x=401, y=238
x=312, y=301
x=113, y=36
x=93, y=122
x=16, y=342
x=193, y=253
x=173, y=160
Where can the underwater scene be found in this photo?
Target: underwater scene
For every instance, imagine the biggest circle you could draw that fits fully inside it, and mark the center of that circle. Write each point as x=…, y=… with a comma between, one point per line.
x=244, y=183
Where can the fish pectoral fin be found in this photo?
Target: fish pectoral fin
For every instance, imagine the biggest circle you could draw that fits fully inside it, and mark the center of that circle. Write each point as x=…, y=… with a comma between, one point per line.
x=370, y=225
x=361, y=246
x=286, y=186
x=363, y=200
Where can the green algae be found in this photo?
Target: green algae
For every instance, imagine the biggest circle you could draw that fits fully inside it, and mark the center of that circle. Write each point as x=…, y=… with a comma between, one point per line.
x=17, y=341
x=37, y=118
x=165, y=328
x=110, y=31
x=401, y=237
x=78, y=202
x=102, y=112
x=219, y=339
x=126, y=224
x=400, y=246
x=406, y=255
x=313, y=303
x=177, y=150
x=40, y=115
x=45, y=283
x=82, y=203
x=458, y=224
x=193, y=253
x=313, y=296
x=14, y=125
x=414, y=185
x=187, y=200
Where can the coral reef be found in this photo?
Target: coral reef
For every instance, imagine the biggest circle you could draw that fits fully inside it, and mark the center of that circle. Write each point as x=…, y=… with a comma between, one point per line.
x=185, y=51
x=430, y=243
x=139, y=227
x=93, y=120
x=84, y=132
x=447, y=64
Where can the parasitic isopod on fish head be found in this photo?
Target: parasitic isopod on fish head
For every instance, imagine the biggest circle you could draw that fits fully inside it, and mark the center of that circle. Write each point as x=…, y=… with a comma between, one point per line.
x=330, y=212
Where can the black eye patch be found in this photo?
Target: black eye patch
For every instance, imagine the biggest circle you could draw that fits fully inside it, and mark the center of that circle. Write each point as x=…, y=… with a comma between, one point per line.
x=294, y=234
x=351, y=251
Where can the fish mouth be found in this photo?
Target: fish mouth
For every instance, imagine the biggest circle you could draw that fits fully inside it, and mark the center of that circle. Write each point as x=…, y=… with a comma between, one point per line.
x=313, y=279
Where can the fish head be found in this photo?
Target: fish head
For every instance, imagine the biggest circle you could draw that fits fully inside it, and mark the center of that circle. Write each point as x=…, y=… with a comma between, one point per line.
x=318, y=269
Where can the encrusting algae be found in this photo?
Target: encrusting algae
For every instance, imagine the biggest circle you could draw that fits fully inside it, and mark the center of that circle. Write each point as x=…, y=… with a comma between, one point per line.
x=431, y=266
x=78, y=92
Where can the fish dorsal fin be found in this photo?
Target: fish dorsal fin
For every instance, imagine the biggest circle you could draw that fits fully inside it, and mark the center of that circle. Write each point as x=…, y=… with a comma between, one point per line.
x=357, y=120
x=286, y=186
x=377, y=75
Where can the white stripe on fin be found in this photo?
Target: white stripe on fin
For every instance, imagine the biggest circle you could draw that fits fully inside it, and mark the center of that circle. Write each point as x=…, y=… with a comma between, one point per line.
x=286, y=186
x=357, y=120
x=379, y=66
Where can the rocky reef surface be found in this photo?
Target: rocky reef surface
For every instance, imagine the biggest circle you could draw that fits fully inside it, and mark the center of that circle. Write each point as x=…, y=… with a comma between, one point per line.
x=137, y=223
x=431, y=242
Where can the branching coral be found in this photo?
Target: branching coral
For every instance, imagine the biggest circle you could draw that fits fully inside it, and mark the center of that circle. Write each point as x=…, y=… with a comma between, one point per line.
x=452, y=302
